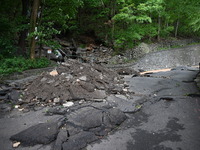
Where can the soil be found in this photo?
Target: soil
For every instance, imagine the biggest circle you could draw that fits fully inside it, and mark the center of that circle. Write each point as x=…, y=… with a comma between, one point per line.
x=79, y=81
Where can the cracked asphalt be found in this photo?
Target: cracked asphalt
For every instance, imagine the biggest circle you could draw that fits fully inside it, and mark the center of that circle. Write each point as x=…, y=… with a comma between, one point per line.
x=169, y=118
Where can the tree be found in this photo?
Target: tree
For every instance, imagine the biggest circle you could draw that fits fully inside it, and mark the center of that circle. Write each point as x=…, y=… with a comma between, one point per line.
x=23, y=33
x=33, y=22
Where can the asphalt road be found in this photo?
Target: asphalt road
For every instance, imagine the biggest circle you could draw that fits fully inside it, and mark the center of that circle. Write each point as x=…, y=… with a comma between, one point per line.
x=169, y=118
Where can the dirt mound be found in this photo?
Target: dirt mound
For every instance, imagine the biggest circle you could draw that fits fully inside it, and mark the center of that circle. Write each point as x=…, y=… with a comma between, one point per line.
x=73, y=81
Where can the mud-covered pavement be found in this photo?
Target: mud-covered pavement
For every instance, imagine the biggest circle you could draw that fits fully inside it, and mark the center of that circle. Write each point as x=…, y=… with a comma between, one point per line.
x=152, y=111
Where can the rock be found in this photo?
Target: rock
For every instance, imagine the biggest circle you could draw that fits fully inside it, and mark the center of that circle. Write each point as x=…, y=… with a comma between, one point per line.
x=69, y=76
x=53, y=73
x=79, y=141
x=56, y=100
x=68, y=104
x=43, y=133
x=43, y=79
x=83, y=78
x=121, y=96
x=15, y=145
x=17, y=106
x=88, y=86
x=74, y=81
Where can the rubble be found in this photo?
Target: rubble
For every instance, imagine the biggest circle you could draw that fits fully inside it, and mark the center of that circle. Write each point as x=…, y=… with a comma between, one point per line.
x=72, y=81
x=79, y=94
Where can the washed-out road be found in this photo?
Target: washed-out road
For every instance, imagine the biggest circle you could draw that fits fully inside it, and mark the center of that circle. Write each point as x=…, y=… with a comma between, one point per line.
x=162, y=114
x=169, y=118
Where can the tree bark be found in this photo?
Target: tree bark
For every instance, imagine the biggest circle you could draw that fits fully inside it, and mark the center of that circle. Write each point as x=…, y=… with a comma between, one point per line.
x=34, y=14
x=23, y=34
x=113, y=23
x=159, y=27
x=176, y=29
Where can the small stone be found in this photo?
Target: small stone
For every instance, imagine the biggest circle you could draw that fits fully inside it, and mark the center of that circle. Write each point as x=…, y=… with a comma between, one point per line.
x=56, y=100
x=15, y=145
x=21, y=109
x=17, y=106
x=83, y=78
x=43, y=79
x=69, y=76
x=81, y=101
x=101, y=76
x=121, y=96
x=68, y=104
x=53, y=73
x=125, y=90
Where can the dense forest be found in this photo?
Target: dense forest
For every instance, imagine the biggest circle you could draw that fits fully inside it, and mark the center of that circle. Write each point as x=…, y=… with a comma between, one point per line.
x=120, y=24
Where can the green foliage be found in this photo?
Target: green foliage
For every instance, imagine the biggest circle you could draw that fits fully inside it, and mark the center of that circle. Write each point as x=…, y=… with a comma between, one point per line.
x=19, y=64
x=45, y=33
x=133, y=23
x=6, y=36
x=118, y=23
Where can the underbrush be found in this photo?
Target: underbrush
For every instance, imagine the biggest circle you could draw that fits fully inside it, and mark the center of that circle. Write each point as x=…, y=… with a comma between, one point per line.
x=19, y=64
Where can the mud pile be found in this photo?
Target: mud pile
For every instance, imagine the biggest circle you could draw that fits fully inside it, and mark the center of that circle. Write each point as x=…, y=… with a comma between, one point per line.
x=73, y=81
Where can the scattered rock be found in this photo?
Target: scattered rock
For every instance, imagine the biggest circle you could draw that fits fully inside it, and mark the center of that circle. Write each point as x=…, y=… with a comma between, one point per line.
x=53, y=73
x=83, y=78
x=68, y=104
x=15, y=145
x=72, y=82
x=56, y=100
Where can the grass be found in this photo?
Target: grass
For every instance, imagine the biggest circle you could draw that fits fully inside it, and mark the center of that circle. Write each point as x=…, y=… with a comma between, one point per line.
x=19, y=64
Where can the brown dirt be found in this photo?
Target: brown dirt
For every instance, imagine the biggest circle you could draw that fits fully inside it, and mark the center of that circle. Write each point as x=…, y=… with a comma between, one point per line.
x=73, y=81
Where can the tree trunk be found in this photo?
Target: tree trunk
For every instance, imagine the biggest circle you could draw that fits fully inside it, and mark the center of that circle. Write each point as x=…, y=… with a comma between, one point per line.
x=35, y=7
x=176, y=29
x=113, y=23
x=159, y=27
x=23, y=34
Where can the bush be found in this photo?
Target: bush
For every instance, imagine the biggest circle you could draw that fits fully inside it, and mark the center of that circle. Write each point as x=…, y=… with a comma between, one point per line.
x=19, y=64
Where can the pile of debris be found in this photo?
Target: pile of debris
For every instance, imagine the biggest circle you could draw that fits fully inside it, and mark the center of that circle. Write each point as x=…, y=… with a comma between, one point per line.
x=73, y=81
x=78, y=93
